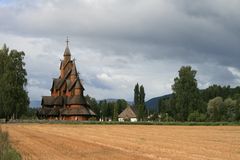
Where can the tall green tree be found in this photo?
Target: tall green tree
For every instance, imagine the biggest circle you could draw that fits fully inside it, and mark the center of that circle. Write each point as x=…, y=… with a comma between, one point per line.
x=186, y=93
x=139, y=101
x=136, y=95
x=141, y=104
x=142, y=95
x=14, y=99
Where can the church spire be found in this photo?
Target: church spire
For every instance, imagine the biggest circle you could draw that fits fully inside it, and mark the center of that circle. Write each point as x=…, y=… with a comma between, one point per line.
x=67, y=41
x=67, y=50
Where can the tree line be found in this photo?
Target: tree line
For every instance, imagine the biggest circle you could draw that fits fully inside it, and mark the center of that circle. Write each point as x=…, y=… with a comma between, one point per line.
x=110, y=109
x=14, y=99
x=106, y=109
x=189, y=103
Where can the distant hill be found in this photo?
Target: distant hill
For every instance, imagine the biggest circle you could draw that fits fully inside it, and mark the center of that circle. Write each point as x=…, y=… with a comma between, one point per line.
x=35, y=104
x=152, y=104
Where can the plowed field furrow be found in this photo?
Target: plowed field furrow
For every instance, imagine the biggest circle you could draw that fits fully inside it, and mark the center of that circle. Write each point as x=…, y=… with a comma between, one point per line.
x=123, y=142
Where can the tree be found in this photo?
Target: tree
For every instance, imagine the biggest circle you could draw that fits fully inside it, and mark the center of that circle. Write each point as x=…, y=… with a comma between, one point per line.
x=136, y=94
x=94, y=105
x=103, y=109
x=122, y=104
x=115, y=112
x=186, y=93
x=215, y=107
x=237, y=110
x=142, y=95
x=139, y=101
x=119, y=106
x=229, y=112
x=166, y=106
x=14, y=99
x=196, y=117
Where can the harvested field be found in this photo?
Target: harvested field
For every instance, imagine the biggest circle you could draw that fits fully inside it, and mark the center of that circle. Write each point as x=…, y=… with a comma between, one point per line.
x=121, y=142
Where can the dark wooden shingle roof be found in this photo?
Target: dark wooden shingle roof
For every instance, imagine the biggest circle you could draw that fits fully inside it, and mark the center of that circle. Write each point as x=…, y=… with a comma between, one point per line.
x=76, y=100
x=81, y=110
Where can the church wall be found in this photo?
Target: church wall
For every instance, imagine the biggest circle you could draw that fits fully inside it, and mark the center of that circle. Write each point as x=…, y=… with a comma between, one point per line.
x=74, y=106
x=75, y=118
x=77, y=92
x=68, y=93
x=54, y=93
x=53, y=118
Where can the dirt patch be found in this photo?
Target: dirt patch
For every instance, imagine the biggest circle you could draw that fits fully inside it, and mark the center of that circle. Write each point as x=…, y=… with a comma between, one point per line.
x=132, y=142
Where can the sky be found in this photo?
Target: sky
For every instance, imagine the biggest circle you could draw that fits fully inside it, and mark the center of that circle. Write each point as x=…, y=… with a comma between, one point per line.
x=118, y=43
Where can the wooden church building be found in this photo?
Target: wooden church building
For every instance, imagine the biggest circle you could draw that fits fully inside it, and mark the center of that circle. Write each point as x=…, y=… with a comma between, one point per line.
x=67, y=100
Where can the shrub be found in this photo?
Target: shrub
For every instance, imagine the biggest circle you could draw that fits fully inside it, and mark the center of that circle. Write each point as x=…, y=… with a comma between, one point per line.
x=196, y=117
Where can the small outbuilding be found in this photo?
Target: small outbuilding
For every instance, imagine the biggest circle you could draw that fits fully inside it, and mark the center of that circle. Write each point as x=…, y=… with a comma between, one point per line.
x=128, y=114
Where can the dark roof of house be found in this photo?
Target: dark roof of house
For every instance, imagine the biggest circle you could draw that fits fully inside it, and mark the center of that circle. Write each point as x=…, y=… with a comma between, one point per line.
x=129, y=112
x=78, y=84
x=68, y=82
x=71, y=85
x=76, y=100
x=54, y=112
x=51, y=101
x=47, y=101
x=43, y=111
x=58, y=101
x=81, y=110
x=75, y=84
x=57, y=83
x=74, y=69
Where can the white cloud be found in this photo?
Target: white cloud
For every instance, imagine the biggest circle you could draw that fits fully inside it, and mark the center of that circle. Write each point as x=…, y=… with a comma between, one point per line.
x=236, y=73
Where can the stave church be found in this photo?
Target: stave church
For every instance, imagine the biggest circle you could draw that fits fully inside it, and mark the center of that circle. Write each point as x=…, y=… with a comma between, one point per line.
x=67, y=101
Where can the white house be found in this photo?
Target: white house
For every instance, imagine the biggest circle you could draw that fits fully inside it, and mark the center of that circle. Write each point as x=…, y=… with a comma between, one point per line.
x=128, y=114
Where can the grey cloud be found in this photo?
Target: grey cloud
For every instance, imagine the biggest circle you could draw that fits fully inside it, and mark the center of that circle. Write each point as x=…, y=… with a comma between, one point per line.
x=120, y=37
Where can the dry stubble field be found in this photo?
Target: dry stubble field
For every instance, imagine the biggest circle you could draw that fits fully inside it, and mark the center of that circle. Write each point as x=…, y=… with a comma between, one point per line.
x=123, y=142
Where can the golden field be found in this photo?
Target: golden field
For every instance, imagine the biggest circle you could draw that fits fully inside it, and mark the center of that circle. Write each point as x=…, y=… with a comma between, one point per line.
x=124, y=142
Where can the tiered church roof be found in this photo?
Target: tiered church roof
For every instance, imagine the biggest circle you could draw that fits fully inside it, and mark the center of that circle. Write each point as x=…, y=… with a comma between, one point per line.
x=67, y=98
